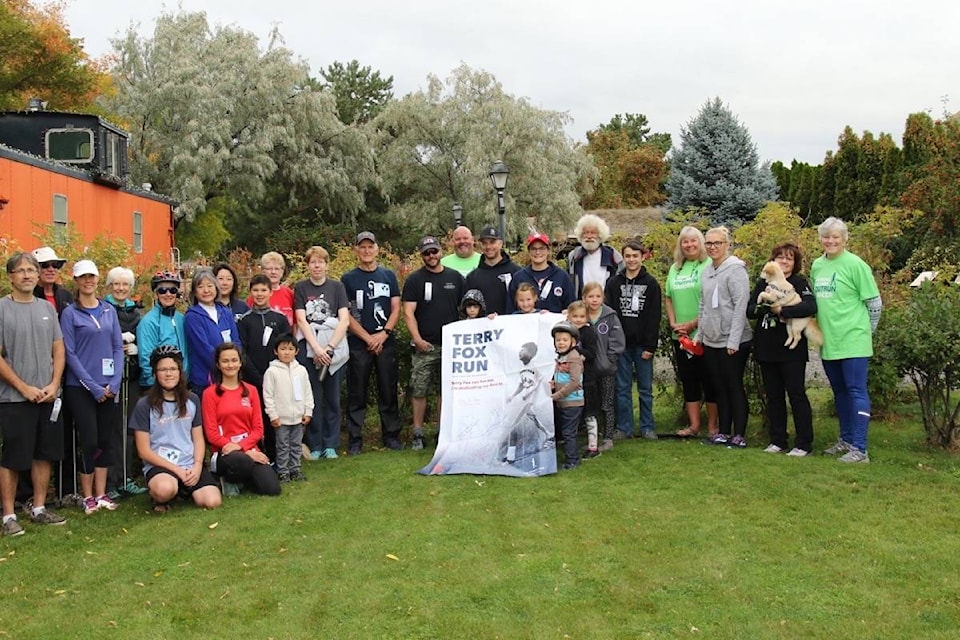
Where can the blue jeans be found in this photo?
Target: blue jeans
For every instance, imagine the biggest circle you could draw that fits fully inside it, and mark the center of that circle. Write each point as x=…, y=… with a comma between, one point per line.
x=630, y=366
x=323, y=432
x=848, y=379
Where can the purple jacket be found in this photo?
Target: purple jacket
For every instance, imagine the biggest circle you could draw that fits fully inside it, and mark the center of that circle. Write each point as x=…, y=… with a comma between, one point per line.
x=91, y=338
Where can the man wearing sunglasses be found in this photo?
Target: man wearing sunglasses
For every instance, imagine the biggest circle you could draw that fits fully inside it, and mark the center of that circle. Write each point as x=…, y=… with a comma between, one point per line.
x=431, y=297
x=162, y=325
x=48, y=288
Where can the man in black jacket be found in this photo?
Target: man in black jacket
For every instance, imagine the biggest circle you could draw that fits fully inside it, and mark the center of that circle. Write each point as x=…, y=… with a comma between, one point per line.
x=492, y=276
x=635, y=295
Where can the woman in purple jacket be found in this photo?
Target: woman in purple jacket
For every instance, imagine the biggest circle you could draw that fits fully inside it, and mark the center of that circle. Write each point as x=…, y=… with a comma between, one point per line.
x=91, y=338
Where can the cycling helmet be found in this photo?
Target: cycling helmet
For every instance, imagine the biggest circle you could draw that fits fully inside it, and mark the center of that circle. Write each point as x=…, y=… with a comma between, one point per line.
x=165, y=351
x=164, y=276
x=565, y=326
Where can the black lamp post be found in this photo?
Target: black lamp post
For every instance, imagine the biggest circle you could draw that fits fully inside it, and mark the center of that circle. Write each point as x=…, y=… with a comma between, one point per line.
x=498, y=176
x=457, y=215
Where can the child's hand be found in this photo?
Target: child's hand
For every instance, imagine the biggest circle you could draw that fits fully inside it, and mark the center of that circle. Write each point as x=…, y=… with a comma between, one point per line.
x=275, y=422
x=491, y=316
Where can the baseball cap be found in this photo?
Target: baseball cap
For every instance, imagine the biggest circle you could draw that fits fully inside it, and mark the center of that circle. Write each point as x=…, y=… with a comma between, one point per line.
x=46, y=254
x=538, y=237
x=428, y=242
x=366, y=235
x=490, y=232
x=85, y=268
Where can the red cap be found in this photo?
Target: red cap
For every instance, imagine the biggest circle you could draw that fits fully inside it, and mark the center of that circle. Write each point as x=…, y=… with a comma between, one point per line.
x=538, y=237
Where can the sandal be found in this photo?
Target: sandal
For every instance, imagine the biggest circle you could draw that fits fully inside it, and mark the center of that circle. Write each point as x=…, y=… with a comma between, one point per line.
x=161, y=507
x=689, y=432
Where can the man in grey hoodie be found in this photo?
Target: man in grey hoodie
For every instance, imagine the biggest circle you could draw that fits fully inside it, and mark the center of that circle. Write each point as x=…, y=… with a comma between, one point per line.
x=726, y=335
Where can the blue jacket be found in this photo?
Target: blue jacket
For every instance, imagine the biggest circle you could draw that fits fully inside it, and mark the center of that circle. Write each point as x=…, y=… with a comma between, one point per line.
x=91, y=338
x=156, y=329
x=203, y=336
x=610, y=259
x=556, y=292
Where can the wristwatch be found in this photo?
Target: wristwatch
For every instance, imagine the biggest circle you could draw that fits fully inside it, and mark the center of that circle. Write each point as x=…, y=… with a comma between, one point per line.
x=389, y=332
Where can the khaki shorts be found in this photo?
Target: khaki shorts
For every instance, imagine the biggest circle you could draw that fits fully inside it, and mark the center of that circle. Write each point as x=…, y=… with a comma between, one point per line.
x=425, y=372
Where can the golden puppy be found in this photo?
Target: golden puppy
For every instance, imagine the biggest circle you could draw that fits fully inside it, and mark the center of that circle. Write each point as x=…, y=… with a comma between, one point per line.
x=780, y=293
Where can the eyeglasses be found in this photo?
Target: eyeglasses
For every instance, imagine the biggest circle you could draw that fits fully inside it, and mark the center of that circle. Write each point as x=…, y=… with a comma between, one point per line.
x=163, y=290
x=168, y=370
x=538, y=248
x=712, y=244
x=430, y=252
x=25, y=272
x=51, y=265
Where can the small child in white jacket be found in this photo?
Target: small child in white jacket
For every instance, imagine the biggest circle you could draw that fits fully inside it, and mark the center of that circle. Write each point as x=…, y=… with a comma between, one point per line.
x=288, y=402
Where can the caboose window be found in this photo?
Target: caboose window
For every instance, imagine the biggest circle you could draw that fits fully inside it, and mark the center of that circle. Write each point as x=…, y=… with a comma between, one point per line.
x=137, y=232
x=70, y=145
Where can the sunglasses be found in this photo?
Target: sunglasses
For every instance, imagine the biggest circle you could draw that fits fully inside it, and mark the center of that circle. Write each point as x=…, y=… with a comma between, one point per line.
x=430, y=252
x=51, y=265
x=163, y=290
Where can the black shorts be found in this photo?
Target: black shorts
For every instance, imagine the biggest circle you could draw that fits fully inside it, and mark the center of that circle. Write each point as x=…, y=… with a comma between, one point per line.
x=29, y=434
x=183, y=491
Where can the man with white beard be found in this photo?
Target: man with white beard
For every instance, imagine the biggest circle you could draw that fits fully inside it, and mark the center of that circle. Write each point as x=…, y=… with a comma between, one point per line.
x=592, y=261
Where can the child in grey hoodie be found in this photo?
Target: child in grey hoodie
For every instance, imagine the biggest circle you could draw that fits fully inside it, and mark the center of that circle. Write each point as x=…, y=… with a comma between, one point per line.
x=288, y=403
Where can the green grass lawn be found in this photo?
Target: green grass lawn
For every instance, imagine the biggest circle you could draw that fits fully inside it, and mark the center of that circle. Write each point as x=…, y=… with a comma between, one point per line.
x=667, y=539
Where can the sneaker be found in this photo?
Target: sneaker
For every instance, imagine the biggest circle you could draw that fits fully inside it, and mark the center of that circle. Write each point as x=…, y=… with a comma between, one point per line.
x=47, y=517
x=133, y=488
x=606, y=445
x=854, y=455
x=315, y=454
x=567, y=466
x=620, y=434
x=106, y=502
x=417, y=444
x=717, y=438
x=329, y=454
x=229, y=488
x=113, y=494
x=772, y=448
x=838, y=447
x=393, y=444
x=798, y=453
x=283, y=477
x=591, y=453
x=90, y=505
x=12, y=528
x=297, y=476
x=69, y=500
x=26, y=507
x=648, y=434
x=737, y=442
x=353, y=450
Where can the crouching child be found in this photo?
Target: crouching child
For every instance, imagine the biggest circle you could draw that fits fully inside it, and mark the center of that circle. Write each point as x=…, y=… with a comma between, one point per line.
x=567, y=388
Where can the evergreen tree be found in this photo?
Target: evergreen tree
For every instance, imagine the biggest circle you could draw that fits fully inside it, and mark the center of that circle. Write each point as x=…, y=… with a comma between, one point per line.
x=717, y=168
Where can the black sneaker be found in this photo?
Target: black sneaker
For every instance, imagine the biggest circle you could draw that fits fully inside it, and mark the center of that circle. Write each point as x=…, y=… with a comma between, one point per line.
x=567, y=466
x=393, y=444
x=353, y=450
x=283, y=477
x=297, y=476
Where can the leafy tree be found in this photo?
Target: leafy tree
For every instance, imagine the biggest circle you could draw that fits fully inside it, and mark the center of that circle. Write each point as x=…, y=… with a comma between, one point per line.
x=436, y=147
x=635, y=126
x=361, y=93
x=212, y=115
x=630, y=175
x=717, y=168
x=38, y=58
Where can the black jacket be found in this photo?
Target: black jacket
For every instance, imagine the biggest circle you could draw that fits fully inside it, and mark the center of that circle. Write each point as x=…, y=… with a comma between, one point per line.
x=493, y=282
x=640, y=321
x=63, y=297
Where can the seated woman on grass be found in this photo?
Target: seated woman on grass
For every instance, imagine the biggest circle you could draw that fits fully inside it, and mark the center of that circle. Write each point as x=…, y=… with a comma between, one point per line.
x=233, y=425
x=169, y=436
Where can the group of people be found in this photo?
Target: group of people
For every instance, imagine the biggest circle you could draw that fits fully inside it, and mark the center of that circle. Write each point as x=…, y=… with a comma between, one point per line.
x=251, y=379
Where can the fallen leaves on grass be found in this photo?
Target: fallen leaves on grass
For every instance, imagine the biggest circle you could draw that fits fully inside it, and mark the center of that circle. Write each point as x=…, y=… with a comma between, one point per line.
x=214, y=525
x=390, y=556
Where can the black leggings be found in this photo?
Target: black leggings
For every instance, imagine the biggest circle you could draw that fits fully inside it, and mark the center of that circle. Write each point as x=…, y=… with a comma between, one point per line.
x=239, y=468
x=693, y=376
x=726, y=374
x=98, y=426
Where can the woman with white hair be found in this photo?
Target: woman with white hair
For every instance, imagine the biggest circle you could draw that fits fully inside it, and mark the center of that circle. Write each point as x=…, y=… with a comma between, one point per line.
x=848, y=310
x=120, y=283
x=592, y=261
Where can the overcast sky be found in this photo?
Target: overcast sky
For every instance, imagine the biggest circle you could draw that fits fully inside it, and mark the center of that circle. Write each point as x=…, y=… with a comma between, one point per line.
x=795, y=75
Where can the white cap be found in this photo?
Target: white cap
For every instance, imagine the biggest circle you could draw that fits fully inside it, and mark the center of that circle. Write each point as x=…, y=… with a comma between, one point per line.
x=46, y=254
x=84, y=268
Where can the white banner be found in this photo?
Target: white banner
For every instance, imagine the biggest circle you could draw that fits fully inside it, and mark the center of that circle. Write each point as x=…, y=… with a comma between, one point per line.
x=497, y=415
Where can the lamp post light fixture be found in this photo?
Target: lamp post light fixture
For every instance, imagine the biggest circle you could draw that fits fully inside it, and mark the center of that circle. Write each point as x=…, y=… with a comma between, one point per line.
x=498, y=176
x=457, y=215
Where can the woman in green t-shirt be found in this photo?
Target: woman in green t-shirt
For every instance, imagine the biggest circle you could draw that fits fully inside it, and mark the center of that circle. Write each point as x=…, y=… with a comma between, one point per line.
x=682, y=300
x=848, y=310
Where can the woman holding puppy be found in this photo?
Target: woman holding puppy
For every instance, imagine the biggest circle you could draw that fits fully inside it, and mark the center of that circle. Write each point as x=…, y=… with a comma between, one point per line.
x=784, y=369
x=848, y=310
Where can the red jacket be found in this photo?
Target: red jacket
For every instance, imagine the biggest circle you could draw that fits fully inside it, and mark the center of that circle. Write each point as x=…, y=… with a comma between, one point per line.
x=232, y=418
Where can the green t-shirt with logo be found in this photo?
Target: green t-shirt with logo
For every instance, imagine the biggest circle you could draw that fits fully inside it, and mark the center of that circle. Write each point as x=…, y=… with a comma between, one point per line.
x=463, y=265
x=683, y=289
x=841, y=285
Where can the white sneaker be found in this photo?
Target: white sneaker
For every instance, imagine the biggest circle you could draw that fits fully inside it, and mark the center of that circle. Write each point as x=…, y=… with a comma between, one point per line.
x=854, y=455
x=798, y=453
x=772, y=448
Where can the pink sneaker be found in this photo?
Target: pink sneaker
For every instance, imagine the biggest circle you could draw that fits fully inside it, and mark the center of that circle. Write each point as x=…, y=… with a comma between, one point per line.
x=104, y=502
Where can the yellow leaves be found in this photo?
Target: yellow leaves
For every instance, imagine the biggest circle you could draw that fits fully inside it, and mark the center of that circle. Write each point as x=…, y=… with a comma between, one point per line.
x=390, y=556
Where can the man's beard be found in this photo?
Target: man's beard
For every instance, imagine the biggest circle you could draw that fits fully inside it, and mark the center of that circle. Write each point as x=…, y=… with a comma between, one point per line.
x=590, y=245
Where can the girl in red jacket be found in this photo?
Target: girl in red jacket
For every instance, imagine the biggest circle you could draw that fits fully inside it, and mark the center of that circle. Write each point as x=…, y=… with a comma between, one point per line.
x=233, y=426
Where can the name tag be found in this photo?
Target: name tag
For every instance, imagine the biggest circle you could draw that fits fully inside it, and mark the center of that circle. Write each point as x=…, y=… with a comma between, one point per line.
x=225, y=334
x=172, y=455
x=360, y=299
x=106, y=366
x=635, y=301
x=267, y=332
x=545, y=290
x=297, y=391
x=427, y=291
